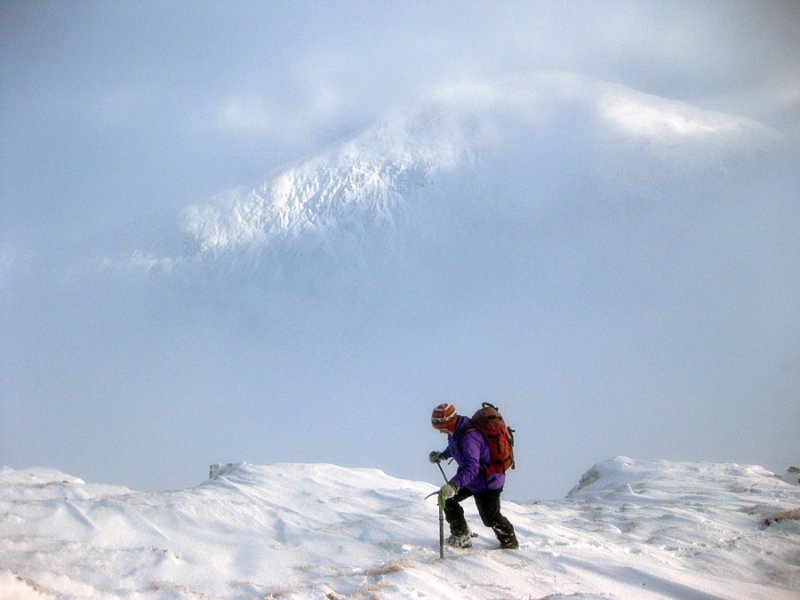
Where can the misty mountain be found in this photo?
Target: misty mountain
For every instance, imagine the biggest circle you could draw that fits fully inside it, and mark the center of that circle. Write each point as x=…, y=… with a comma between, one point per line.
x=573, y=250
x=466, y=191
x=462, y=141
x=214, y=219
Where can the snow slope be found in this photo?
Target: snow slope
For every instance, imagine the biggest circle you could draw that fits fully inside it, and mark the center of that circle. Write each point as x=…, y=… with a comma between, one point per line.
x=630, y=529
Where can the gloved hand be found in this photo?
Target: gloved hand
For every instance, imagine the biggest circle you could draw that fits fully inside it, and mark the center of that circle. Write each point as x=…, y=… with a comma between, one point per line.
x=448, y=491
x=435, y=456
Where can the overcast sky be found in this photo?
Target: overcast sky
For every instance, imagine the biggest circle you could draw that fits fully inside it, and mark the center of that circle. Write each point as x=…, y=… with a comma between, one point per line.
x=114, y=117
x=130, y=106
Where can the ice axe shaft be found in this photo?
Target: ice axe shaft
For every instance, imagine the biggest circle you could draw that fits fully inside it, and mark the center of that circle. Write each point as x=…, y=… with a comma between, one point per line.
x=438, y=464
x=440, y=501
x=441, y=530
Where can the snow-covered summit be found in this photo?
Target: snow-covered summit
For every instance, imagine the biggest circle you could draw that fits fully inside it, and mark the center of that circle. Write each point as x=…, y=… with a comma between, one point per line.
x=362, y=182
x=632, y=529
x=368, y=181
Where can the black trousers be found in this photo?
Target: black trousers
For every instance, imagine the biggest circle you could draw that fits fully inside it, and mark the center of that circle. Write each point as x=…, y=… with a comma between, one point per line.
x=488, y=504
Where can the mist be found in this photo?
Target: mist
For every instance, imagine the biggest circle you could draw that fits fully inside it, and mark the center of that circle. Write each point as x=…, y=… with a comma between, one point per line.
x=615, y=286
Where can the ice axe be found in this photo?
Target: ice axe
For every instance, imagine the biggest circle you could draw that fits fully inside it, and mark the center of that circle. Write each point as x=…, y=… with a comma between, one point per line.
x=438, y=495
x=440, y=502
x=441, y=528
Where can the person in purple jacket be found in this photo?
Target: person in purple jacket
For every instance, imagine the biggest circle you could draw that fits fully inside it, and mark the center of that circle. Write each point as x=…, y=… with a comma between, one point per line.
x=467, y=446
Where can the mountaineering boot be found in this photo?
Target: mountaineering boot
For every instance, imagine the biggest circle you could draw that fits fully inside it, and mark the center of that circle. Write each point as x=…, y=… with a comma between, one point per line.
x=460, y=541
x=509, y=543
x=460, y=536
x=505, y=533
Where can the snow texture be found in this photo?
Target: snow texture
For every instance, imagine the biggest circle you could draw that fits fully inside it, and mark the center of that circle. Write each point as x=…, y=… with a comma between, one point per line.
x=630, y=529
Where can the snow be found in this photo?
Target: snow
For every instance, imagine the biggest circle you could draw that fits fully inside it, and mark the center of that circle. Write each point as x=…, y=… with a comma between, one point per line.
x=369, y=179
x=629, y=529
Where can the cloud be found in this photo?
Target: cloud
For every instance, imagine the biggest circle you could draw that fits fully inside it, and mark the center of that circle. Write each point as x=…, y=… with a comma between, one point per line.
x=636, y=292
x=245, y=113
x=367, y=180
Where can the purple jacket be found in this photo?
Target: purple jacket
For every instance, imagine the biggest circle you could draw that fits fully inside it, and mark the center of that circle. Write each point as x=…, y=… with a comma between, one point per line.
x=471, y=453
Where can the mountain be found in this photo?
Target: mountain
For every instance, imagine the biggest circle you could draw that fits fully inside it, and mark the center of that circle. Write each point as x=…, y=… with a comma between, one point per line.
x=629, y=529
x=493, y=146
x=462, y=195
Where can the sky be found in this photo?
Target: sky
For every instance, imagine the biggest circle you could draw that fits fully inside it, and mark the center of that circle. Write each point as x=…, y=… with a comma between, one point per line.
x=667, y=332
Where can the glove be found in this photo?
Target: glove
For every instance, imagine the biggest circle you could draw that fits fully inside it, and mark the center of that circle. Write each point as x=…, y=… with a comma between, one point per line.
x=448, y=491
x=435, y=456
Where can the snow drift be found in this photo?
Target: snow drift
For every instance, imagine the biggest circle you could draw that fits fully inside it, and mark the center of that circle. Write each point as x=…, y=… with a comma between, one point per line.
x=629, y=529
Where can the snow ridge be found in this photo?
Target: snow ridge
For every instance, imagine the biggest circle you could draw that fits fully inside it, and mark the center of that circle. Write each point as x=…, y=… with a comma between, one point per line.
x=650, y=530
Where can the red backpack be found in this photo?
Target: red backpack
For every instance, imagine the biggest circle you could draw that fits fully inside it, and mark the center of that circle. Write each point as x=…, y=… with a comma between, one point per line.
x=500, y=438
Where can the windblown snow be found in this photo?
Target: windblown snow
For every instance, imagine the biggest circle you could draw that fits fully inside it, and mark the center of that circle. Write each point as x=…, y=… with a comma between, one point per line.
x=629, y=529
x=370, y=181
